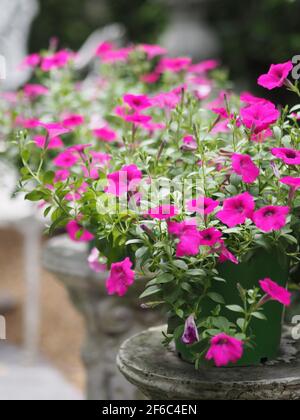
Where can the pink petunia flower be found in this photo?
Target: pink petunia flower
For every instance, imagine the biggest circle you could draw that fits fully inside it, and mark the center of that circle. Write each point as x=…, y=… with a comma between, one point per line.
x=57, y=60
x=275, y=292
x=32, y=91
x=166, y=100
x=152, y=51
x=121, y=278
x=77, y=233
x=250, y=99
x=204, y=66
x=178, y=229
x=66, y=159
x=137, y=102
x=276, y=76
x=224, y=350
x=189, y=244
x=271, y=218
x=289, y=156
x=94, y=263
x=73, y=121
x=226, y=255
x=190, y=335
x=123, y=181
x=237, y=209
x=61, y=175
x=150, y=78
x=32, y=60
x=291, y=181
x=174, y=65
x=105, y=134
x=245, y=167
x=210, y=236
x=55, y=129
x=259, y=116
x=190, y=143
x=163, y=212
x=202, y=205
x=138, y=119
x=54, y=143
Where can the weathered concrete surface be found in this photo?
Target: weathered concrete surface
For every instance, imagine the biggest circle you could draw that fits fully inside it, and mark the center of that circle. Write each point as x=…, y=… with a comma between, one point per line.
x=40, y=381
x=161, y=375
x=109, y=319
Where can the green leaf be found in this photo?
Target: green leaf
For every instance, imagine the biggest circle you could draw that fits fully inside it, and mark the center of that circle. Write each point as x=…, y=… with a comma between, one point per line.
x=235, y=308
x=164, y=278
x=141, y=252
x=259, y=315
x=197, y=272
x=35, y=196
x=216, y=297
x=48, y=177
x=150, y=291
x=181, y=264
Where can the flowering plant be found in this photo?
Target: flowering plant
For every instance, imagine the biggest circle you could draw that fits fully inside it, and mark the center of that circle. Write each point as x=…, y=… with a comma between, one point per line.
x=202, y=185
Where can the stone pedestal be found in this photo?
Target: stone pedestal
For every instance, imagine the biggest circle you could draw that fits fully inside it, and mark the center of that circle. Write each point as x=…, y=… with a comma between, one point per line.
x=187, y=32
x=161, y=375
x=109, y=320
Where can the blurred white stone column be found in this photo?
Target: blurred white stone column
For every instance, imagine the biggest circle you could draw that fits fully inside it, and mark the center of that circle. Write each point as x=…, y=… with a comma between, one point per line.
x=187, y=33
x=15, y=20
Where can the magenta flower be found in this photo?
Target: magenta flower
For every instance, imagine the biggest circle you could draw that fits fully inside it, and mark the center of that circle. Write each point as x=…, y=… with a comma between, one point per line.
x=138, y=119
x=150, y=78
x=291, y=181
x=271, y=218
x=250, y=99
x=204, y=66
x=77, y=233
x=152, y=51
x=275, y=292
x=189, y=243
x=137, y=102
x=288, y=156
x=179, y=229
x=259, y=116
x=276, y=76
x=224, y=350
x=61, y=175
x=66, y=159
x=190, y=335
x=123, y=181
x=166, y=100
x=56, y=61
x=121, y=277
x=245, y=167
x=210, y=237
x=202, y=205
x=174, y=65
x=54, y=143
x=189, y=143
x=94, y=263
x=226, y=255
x=32, y=91
x=73, y=120
x=32, y=60
x=105, y=134
x=163, y=212
x=55, y=129
x=237, y=209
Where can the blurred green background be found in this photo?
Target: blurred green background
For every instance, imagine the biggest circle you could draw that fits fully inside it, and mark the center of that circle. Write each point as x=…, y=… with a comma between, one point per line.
x=252, y=33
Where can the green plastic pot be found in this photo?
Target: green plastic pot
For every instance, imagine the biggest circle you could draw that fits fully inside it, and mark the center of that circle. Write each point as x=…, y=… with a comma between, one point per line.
x=268, y=333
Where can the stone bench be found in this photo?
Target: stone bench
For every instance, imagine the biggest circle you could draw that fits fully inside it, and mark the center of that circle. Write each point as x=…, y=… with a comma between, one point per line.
x=160, y=375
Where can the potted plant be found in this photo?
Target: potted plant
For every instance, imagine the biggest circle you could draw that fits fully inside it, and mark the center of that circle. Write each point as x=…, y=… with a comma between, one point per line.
x=204, y=205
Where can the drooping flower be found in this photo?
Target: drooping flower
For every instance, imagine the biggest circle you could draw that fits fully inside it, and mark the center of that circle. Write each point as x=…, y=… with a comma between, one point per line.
x=276, y=76
x=210, y=236
x=288, y=156
x=77, y=233
x=105, y=134
x=54, y=143
x=163, y=212
x=237, y=209
x=73, y=121
x=250, y=99
x=259, y=116
x=55, y=129
x=291, y=181
x=245, y=167
x=202, y=205
x=66, y=159
x=123, y=181
x=94, y=263
x=271, y=218
x=226, y=255
x=121, y=278
x=224, y=350
x=276, y=292
x=137, y=102
x=190, y=335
